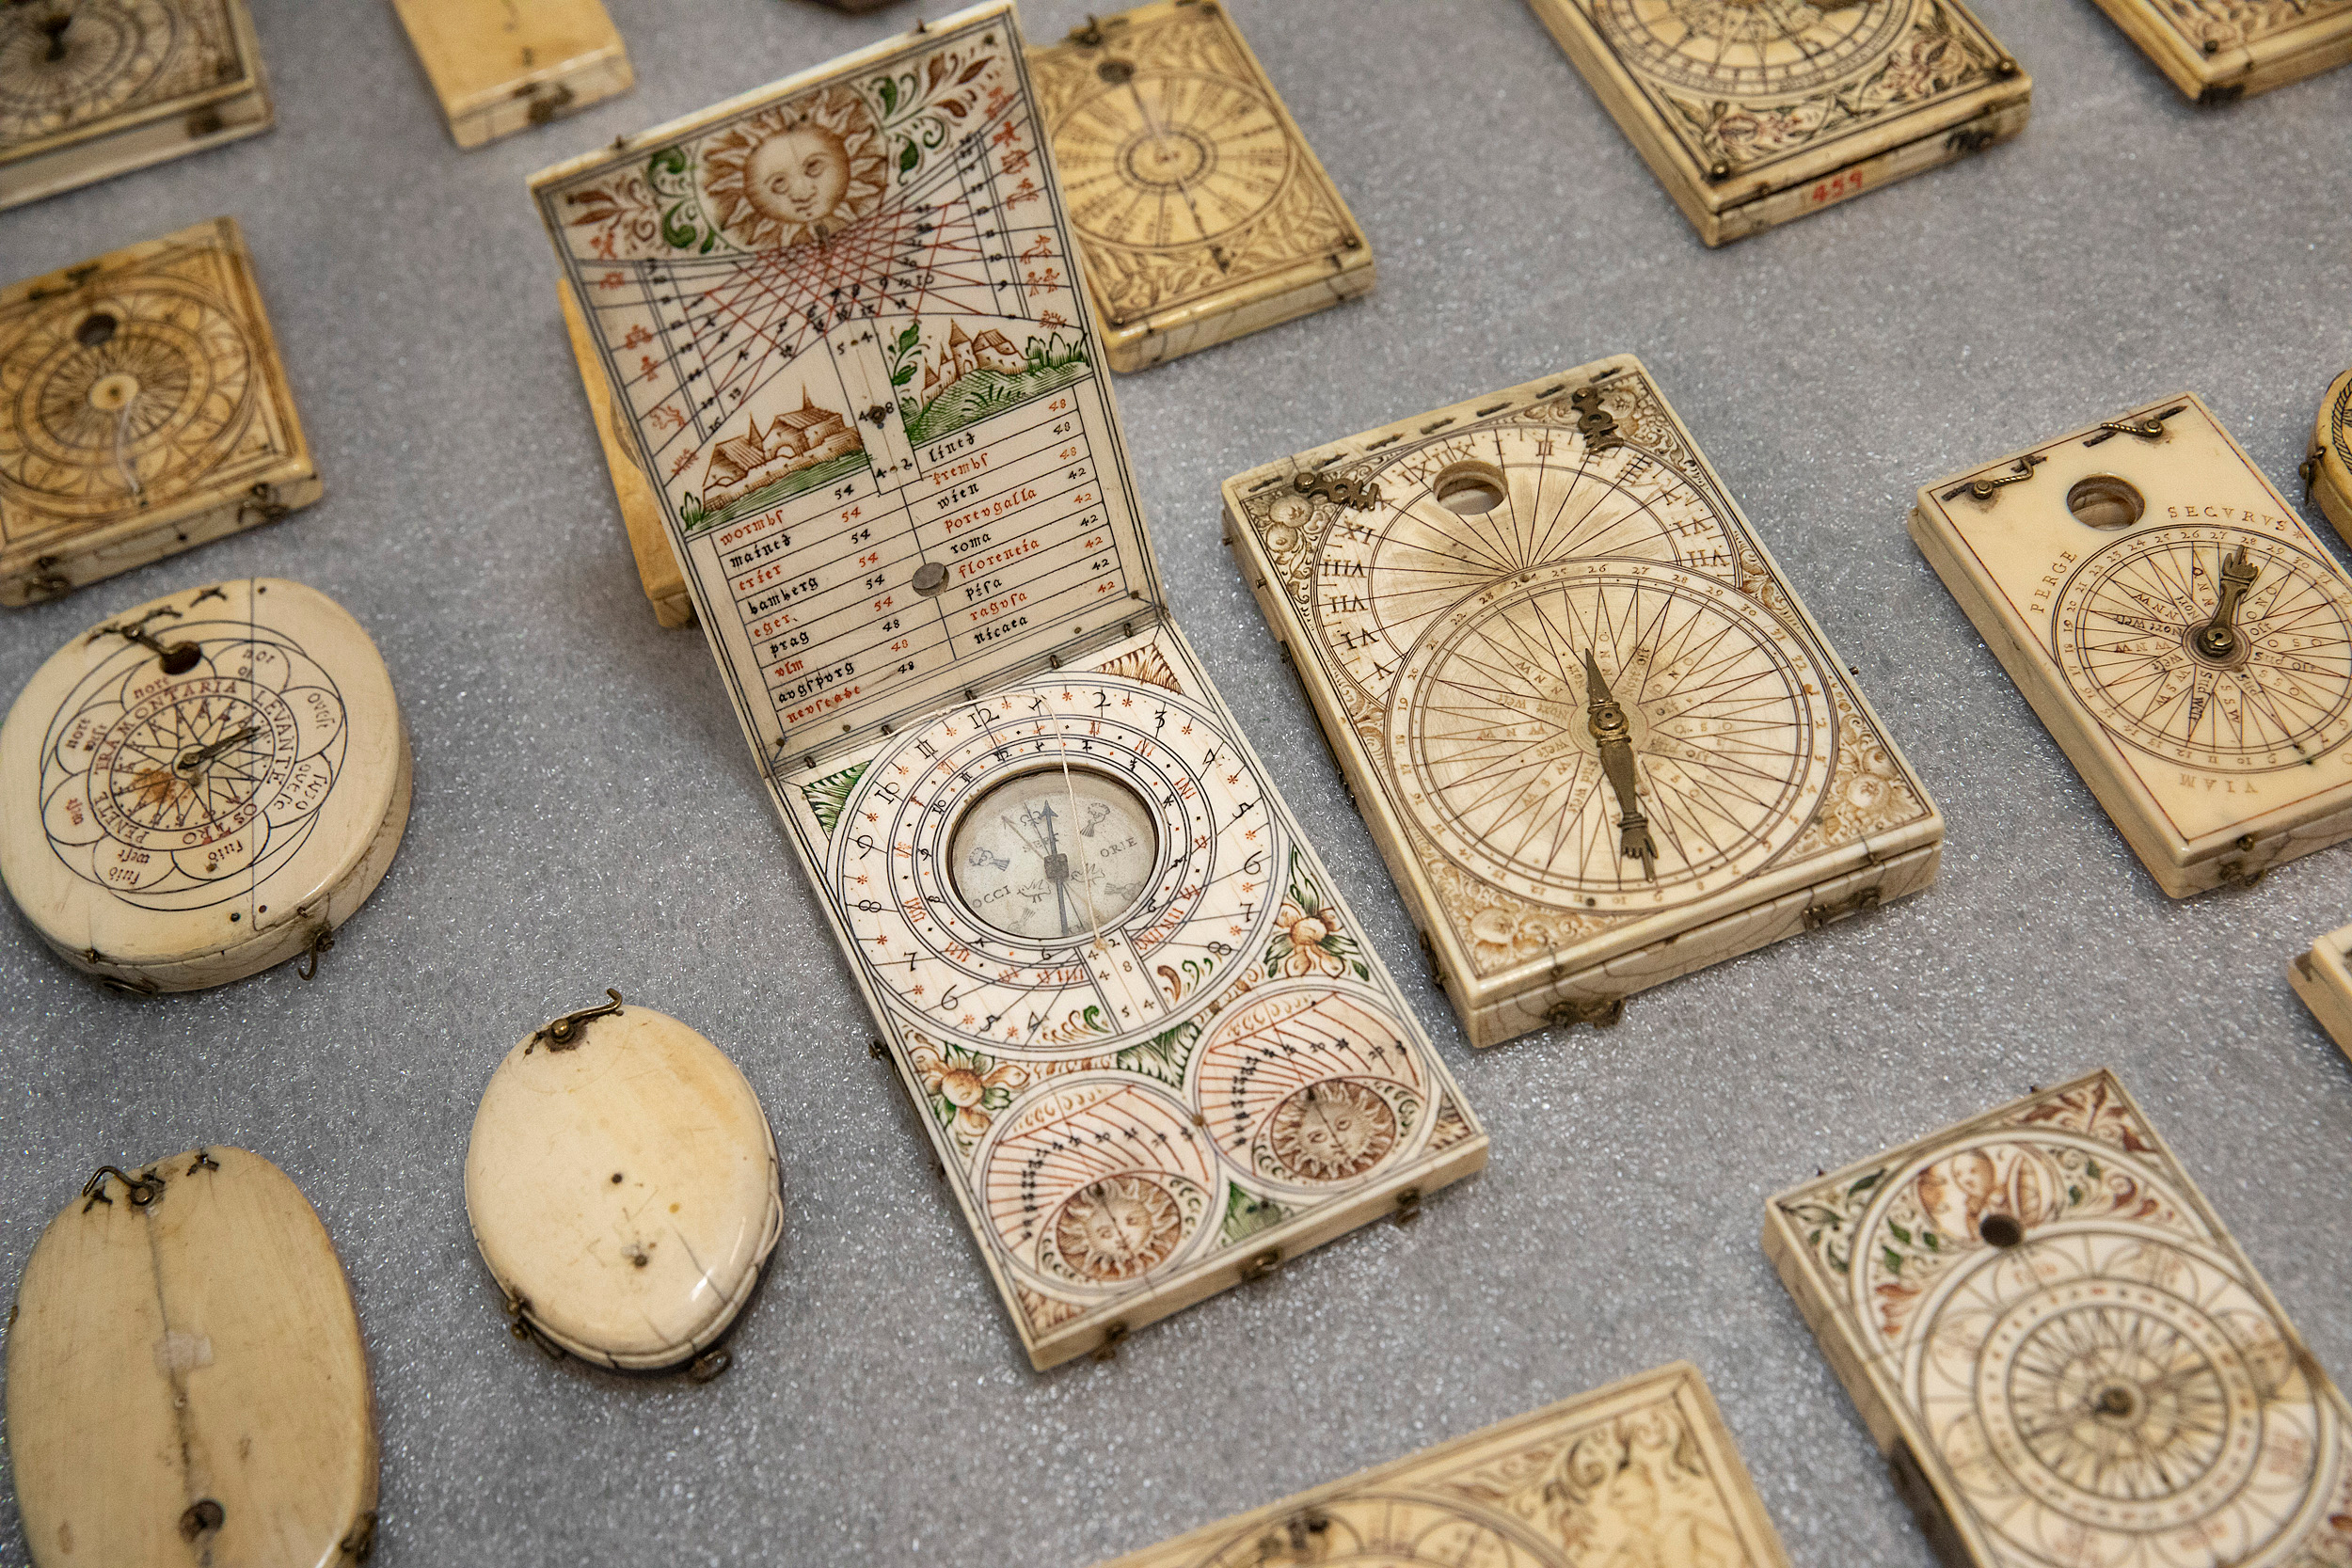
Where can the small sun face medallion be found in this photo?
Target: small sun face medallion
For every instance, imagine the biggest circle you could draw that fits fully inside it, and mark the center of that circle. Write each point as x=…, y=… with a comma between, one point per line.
x=797, y=172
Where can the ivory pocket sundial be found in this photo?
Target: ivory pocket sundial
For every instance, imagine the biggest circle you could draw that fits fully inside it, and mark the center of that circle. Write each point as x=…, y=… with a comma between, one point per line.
x=2184, y=637
x=622, y=1184
x=1598, y=739
x=93, y=89
x=143, y=411
x=1753, y=113
x=186, y=1382
x=2062, y=1351
x=1640, y=1472
x=203, y=785
x=500, y=69
x=840, y=325
x=2323, y=979
x=2328, y=471
x=1200, y=210
x=2217, y=51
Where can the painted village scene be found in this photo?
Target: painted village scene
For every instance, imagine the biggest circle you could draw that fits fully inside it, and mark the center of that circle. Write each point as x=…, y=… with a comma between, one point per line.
x=784, y=450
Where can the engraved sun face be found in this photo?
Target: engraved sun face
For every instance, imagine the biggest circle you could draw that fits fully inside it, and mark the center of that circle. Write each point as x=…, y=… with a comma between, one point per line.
x=1332, y=1131
x=799, y=177
x=1117, y=1227
x=797, y=172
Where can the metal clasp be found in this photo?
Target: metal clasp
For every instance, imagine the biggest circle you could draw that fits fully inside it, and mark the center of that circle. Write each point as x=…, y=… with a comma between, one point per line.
x=1574, y=1010
x=1113, y=1337
x=564, y=1033
x=1407, y=1207
x=1984, y=489
x=140, y=1190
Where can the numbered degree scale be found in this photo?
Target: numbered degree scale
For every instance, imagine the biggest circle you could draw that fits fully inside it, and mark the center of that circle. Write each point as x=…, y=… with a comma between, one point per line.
x=844, y=340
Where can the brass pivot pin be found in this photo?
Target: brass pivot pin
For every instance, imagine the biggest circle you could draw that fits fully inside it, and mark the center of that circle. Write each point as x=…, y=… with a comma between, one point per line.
x=2147, y=430
x=140, y=1190
x=1613, y=732
x=1982, y=488
x=178, y=658
x=2218, y=639
x=564, y=1033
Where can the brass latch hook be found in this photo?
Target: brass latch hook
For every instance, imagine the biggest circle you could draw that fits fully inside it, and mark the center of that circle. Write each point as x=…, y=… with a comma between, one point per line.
x=563, y=1034
x=140, y=1190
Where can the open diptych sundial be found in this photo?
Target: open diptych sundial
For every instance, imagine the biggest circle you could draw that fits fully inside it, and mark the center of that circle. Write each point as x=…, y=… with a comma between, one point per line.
x=1597, y=738
x=143, y=411
x=2183, y=634
x=1642, y=1472
x=2062, y=1350
x=2217, y=51
x=840, y=324
x=1201, y=212
x=92, y=88
x=2323, y=979
x=1755, y=112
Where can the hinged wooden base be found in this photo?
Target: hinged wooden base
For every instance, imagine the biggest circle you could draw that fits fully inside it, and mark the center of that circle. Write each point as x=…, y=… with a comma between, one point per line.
x=498, y=70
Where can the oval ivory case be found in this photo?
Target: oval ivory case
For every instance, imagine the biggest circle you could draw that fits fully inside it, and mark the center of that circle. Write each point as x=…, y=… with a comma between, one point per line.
x=203, y=785
x=186, y=1384
x=623, y=1189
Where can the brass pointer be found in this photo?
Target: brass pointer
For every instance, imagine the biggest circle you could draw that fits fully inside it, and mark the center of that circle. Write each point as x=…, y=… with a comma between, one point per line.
x=2218, y=639
x=1615, y=735
x=192, y=760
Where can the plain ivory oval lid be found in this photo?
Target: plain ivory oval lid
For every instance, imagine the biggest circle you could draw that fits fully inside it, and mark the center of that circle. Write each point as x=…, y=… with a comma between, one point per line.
x=623, y=1188
x=186, y=1382
x=183, y=784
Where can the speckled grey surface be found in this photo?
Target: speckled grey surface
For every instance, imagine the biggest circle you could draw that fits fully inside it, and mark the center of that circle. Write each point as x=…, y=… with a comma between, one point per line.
x=588, y=816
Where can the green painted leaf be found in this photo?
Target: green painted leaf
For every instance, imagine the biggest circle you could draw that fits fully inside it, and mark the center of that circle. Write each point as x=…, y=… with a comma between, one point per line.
x=1893, y=1259
x=909, y=158
x=1900, y=1233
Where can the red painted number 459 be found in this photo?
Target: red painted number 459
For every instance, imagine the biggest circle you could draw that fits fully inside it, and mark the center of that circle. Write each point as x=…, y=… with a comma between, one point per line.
x=1835, y=188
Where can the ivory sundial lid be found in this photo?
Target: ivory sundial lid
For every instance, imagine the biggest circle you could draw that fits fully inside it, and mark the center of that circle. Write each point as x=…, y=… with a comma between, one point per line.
x=1201, y=212
x=2323, y=979
x=2217, y=51
x=186, y=1382
x=1598, y=738
x=2328, y=471
x=2063, y=1352
x=92, y=88
x=622, y=1184
x=1642, y=1474
x=2180, y=632
x=1753, y=113
x=500, y=69
x=203, y=785
x=143, y=411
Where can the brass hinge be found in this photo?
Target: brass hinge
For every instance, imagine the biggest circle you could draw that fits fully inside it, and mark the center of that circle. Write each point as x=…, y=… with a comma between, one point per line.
x=1571, y=1011
x=1261, y=1266
x=1819, y=915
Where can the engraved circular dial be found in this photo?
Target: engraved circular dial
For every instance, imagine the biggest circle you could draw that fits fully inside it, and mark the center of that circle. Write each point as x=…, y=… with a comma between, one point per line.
x=179, y=789
x=124, y=399
x=1730, y=735
x=2276, y=693
x=1169, y=158
x=1381, y=575
x=2107, y=1394
x=1751, y=48
x=985, y=955
x=53, y=78
x=1055, y=853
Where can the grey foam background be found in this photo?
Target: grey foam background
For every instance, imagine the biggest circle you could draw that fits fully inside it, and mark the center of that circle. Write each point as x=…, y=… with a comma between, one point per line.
x=587, y=814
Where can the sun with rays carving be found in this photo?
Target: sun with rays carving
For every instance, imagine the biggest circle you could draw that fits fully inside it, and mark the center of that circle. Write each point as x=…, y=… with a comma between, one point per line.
x=798, y=172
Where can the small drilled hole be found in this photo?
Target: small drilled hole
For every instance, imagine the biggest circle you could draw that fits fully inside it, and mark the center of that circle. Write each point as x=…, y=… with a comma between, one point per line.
x=1117, y=72
x=2104, y=502
x=2000, y=1230
x=95, y=329
x=1471, y=489
x=199, y=1518
x=616, y=1179
x=181, y=657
